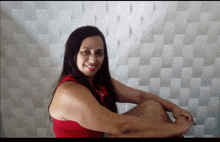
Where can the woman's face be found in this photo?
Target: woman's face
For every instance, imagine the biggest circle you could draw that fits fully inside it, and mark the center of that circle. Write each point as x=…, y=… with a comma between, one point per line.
x=90, y=56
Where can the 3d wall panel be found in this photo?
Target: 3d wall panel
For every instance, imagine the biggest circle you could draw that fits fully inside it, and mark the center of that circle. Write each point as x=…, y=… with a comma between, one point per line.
x=171, y=49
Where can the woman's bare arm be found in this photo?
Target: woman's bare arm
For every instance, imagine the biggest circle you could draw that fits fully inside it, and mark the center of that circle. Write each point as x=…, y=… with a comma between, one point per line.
x=182, y=124
x=130, y=95
x=78, y=104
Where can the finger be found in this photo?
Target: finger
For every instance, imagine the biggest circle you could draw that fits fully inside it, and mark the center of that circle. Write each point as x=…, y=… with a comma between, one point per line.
x=194, y=123
x=188, y=116
x=190, y=119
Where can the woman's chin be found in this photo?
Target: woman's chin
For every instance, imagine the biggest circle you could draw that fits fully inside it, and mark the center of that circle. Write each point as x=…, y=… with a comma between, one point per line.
x=89, y=74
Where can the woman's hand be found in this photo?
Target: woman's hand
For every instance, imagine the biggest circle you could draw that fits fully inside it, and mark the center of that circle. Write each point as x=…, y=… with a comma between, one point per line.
x=178, y=112
x=183, y=125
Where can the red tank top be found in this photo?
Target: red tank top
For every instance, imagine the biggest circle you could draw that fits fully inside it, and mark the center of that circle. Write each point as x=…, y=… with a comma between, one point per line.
x=72, y=129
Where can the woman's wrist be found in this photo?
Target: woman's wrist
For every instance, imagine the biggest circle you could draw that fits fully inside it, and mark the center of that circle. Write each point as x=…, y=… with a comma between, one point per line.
x=174, y=107
x=172, y=129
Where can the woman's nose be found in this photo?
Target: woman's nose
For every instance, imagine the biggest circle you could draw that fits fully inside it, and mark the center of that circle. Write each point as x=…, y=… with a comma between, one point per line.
x=92, y=58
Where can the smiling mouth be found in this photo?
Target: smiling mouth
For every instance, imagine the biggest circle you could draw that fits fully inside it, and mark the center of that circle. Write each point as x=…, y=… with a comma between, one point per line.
x=91, y=68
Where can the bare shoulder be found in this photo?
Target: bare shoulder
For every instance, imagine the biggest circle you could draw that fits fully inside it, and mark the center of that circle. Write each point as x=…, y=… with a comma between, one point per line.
x=68, y=92
x=70, y=88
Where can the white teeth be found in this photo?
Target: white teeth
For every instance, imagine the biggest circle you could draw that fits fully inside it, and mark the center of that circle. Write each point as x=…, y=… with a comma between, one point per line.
x=92, y=67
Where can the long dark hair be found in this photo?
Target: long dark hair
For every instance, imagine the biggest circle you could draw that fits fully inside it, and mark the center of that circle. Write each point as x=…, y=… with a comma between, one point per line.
x=102, y=77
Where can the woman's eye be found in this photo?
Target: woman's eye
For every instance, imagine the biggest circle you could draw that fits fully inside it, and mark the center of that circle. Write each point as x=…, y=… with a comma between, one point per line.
x=99, y=53
x=85, y=52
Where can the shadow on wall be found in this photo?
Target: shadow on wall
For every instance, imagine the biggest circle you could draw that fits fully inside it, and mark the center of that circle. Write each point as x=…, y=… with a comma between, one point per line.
x=2, y=132
x=14, y=33
x=216, y=131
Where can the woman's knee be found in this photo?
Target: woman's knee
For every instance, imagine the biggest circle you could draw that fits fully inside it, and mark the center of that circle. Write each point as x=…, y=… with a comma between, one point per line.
x=151, y=105
x=147, y=108
x=155, y=110
x=142, y=108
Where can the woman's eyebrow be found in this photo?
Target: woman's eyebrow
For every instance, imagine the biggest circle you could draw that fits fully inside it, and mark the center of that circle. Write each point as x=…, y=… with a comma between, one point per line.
x=87, y=47
x=100, y=49
x=91, y=48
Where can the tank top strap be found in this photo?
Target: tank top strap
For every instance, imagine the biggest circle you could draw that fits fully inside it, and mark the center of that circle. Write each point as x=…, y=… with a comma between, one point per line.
x=68, y=77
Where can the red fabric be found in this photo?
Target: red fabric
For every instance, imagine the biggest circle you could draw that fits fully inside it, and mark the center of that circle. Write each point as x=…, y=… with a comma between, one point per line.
x=72, y=129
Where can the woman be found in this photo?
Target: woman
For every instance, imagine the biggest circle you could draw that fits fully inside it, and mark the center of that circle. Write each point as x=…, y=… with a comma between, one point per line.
x=84, y=101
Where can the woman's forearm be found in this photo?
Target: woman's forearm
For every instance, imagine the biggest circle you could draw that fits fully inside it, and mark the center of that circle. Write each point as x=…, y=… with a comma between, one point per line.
x=144, y=129
x=168, y=106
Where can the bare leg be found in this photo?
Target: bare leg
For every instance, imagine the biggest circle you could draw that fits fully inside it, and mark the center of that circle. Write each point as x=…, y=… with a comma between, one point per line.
x=151, y=110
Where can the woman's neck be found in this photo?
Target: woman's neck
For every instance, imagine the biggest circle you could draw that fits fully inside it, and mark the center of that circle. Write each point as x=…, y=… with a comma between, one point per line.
x=90, y=79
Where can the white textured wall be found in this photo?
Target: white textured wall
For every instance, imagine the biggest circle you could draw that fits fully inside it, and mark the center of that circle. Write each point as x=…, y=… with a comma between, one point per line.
x=171, y=49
